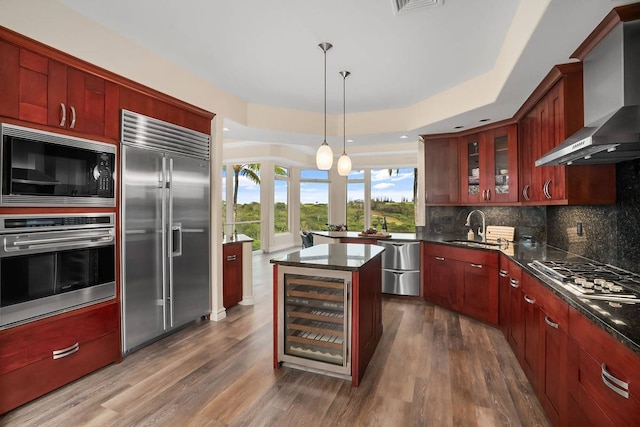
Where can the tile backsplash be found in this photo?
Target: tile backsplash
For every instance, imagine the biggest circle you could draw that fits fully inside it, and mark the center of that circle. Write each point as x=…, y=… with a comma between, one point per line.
x=610, y=234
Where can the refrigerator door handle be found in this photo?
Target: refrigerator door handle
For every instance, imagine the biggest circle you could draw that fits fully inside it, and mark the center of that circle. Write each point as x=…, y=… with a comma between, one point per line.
x=163, y=221
x=171, y=241
x=176, y=239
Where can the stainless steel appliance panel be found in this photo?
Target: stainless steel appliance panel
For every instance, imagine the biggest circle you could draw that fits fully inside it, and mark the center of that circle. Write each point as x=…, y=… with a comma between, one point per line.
x=401, y=282
x=189, y=238
x=400, y=255
x=143, y=243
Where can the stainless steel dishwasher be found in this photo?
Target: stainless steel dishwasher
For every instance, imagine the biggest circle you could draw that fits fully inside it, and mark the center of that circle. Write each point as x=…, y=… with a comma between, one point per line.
x=401, y=268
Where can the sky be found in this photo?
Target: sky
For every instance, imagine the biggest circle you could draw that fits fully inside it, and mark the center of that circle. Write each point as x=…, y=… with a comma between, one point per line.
x=394, y=187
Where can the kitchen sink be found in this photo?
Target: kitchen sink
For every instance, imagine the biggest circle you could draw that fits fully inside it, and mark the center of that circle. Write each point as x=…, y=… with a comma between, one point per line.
x=474, y=244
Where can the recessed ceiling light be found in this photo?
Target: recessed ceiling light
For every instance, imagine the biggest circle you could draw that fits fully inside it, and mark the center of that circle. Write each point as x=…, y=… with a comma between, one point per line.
x=458, y=127
x=404, y=137
x=349, y=140
x=484, y=120
x=225, y=129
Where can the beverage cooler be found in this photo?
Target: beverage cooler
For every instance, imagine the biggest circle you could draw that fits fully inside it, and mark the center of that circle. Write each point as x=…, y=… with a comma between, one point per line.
x=315, y=324
x=401, y=268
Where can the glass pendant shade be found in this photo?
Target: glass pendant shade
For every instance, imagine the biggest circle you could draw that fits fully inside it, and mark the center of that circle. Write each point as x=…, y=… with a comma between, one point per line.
x=324, y=157
x=344, y=165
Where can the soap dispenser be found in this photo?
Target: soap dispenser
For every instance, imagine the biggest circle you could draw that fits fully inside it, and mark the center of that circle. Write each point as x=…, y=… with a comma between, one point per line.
x=470, y=235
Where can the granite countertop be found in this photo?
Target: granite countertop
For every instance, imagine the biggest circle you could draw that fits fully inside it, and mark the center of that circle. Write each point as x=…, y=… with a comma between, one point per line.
x=356, y=235
x=337, y=256
x=241, y=238
x=623, y=323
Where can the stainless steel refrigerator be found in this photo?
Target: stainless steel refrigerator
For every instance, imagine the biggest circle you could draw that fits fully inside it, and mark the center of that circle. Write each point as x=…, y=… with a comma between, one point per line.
x=165, y=207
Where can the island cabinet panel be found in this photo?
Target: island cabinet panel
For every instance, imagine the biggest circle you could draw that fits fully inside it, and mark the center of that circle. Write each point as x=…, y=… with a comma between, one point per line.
x=465, y=280
x=604, y=375
x=41, y=356
x=231, y=274
x=553, y=112
x=441, y=170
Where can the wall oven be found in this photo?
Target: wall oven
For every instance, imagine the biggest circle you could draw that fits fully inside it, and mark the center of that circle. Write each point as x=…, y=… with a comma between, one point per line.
x=53, y=263
x=41, y=168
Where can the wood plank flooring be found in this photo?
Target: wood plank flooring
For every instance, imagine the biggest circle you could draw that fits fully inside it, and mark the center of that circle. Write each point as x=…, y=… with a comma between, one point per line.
x=431, y=368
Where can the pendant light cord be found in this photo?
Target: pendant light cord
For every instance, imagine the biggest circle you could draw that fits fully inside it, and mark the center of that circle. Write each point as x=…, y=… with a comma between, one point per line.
x=325, y=94
x=344, y=114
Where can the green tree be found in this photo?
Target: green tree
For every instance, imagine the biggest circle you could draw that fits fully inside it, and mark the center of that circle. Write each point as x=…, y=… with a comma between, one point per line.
x=250, y=171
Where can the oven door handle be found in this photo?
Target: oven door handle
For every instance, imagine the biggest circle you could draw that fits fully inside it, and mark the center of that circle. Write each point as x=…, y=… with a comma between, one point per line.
x=89, y=237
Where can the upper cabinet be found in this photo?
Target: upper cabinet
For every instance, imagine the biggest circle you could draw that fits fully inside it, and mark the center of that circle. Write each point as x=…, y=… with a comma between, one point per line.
x=488, y=166
x=441, y=170
x=553, y=112
x=47, y=92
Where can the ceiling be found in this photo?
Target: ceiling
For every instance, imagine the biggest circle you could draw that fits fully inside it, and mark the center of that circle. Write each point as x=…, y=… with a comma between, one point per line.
x=265, y=52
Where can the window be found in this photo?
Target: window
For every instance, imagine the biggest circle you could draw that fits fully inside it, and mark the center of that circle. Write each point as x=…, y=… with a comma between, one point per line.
x=356, y=201
x=314, y=199
x=246, y=200
x=281, y=200
x=224, y=197
x=392, y=197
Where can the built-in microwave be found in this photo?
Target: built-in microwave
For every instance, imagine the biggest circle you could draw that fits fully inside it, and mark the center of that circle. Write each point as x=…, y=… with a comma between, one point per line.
x=40, y=168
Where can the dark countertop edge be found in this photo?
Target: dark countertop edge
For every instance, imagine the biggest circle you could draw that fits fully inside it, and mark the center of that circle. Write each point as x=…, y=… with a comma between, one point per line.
x=409, y=237
x=325, y=266
x=566, y=296
x=242, y=238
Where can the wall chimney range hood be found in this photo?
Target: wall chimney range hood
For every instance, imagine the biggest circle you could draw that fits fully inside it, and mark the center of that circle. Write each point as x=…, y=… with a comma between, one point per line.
x=611, y=95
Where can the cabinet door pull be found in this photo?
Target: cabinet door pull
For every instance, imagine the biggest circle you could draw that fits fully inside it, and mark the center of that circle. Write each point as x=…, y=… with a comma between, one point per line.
x=63, y=118
x=504, y=273
x=439, y=258
x=488, y=194
x=231, y=257
x=550, y=323
x=545, y=189
x=59, y=354
x=476, y=265
x=529, y=299
x=484, y=194
x=618, y=386
x=514, y=283
x=73, y=117
x=525, y=192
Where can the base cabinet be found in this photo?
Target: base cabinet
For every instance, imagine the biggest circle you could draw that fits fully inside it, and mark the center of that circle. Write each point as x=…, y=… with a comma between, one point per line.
x=465, y=280
x=231, y=274
x=40, y=357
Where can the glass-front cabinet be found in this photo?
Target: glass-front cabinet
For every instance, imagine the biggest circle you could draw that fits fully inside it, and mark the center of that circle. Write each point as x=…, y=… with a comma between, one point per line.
x=314, y=327
x=489, y=166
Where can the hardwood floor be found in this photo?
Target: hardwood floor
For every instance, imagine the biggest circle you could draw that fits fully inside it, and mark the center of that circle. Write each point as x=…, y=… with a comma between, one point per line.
x=431, y=368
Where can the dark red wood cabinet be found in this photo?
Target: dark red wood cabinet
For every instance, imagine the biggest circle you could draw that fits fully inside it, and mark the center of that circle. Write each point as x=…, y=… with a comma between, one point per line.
x=604, y=379
x=552, y=113
x=231, y=274
x=465, y=280
x=441, y=170
x=41, y=356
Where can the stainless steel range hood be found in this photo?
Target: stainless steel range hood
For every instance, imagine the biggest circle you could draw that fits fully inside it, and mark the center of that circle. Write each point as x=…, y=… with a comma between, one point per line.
x=611, y=103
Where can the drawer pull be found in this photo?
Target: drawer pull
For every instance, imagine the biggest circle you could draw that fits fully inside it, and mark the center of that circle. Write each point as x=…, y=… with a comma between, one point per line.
x=439, y=258
x=514, y=283
x=476, y=265
x=550, y=323
x=59, y=354
x=504, y=273
x=529, y=299
x=618, y=386
x=231, y=258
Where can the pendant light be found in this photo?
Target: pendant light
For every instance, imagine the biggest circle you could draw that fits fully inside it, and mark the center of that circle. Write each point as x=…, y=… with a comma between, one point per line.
x=344, y=163
x=324, y=155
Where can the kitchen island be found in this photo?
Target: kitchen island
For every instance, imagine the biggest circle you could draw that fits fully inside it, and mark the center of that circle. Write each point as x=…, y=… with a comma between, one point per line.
x=327, y=309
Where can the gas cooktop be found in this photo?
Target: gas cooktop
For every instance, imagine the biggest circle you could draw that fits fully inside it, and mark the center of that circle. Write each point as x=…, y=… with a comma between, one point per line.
x=594, y=281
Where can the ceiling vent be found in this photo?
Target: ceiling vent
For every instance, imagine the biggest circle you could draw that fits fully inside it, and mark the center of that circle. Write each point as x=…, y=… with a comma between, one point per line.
x=404, y=6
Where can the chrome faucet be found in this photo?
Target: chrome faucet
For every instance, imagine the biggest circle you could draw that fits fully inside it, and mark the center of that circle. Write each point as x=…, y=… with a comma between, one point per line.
x=484, y=223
